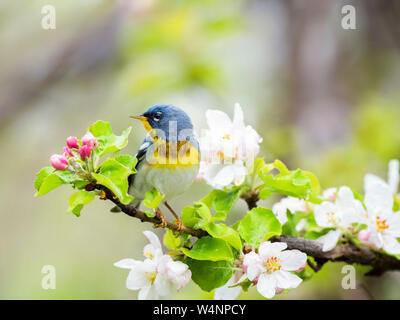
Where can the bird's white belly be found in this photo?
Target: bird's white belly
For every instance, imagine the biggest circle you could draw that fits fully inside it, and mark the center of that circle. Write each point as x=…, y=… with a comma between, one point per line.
x=170, y=182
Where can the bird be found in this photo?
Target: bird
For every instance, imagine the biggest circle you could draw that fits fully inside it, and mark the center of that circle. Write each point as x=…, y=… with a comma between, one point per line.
x=168, y=158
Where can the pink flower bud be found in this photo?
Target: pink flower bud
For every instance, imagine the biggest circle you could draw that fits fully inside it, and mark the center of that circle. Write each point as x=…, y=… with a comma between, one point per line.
x=59, y=162
x=84, y=152
x=67, y=152
x=301, y=268
x=89, y=140
x=364, y=235
x=72, y=143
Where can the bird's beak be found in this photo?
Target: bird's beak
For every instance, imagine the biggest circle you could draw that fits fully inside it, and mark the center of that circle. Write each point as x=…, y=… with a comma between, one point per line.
x=139, y=117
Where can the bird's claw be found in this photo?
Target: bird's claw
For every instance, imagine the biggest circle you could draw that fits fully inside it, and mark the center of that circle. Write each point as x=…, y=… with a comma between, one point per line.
x=180, y=226
x=161, y=217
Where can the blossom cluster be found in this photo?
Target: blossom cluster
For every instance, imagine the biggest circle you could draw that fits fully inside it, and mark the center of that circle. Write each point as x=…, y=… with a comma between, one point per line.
x=228, y=149
x=269, y=269
x=158, y=274
x=74, y=150
x=372, y=219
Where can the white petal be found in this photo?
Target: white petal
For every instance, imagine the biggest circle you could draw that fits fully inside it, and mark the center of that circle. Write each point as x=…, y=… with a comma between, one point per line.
x=266, y=285
x=378, y=196
x=268, y=249
x=393, y=175
x=391, y=244
x=286, y=280
x=226, y=293
x=238, y=119
x=217, y=119
x=137, y=279
x=153, y=239
x=162, y=286
x=300, y=226
x=253, y=264
x=144, y=293
x=292, y=260
x=375, y=238
x=224, y=177
x=393, y=221
x=322, y=212
x=279, y=209
x=329, y=240
x=125, y=263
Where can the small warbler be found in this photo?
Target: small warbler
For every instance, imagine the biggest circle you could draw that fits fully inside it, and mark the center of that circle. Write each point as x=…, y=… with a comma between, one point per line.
x=168, y=158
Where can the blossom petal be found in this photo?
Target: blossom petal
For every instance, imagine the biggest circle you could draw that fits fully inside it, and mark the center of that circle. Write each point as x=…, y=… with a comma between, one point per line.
x=253, y=265
x=217, y=119
x=268, y=249
x=153, y=239
x=286, y=280
x=393, y=222
x=125, y=263
x=226, y=293
x=322, y=212
x=144, y=293
x=329, y=240
x=378, y=196
x=138, y=277
x=162, y=286
x=223, y=178
x=266, y=285
x=238, y=119
x=391, y=244
x=292, y=260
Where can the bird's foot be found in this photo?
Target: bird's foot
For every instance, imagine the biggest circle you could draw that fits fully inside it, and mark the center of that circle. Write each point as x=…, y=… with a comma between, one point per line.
x=180, y=226
x=162, y=218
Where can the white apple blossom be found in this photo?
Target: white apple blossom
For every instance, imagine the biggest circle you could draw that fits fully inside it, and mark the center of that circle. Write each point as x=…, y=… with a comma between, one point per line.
x=229, y=291
x=271, y=267
x=157, y=275
x=289, y=203
x=383, y=224
x=228, y=148
x=339, y=214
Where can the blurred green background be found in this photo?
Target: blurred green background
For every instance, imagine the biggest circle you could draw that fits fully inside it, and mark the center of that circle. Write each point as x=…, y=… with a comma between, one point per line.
x=323, y=98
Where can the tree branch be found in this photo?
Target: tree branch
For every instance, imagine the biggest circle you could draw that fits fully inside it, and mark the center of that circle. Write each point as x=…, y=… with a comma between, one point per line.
x=136, y=213
x=350, y=253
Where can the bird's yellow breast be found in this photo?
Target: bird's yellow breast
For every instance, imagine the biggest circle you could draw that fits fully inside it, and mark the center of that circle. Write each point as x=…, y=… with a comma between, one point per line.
x=173, y=155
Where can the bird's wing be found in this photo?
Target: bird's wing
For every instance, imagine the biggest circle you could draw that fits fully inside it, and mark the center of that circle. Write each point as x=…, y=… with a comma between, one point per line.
x=140, y=156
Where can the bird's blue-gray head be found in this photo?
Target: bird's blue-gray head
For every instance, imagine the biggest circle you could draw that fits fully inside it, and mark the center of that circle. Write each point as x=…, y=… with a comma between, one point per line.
x=169, y=122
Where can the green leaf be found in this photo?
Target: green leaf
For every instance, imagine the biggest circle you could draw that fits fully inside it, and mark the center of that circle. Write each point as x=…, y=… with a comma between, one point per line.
x=108, y=141
x=128, y=161
x=78, y=200
x=197, y=216
x=222, y=201
x=49, y=183
x=289, y=228
x=208, y=248
x=171, y=241
x=41, y=175
x=221, y=231
x=259, y=225
x=152, y=199
x=296, y=183
x=209, y=275
x=114, y=176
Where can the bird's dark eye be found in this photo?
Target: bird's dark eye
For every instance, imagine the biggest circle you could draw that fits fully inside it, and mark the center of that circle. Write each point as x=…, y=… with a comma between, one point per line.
x=157, y=116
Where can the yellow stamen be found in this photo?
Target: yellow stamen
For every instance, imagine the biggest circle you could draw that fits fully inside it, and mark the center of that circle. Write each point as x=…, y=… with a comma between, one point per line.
x=273, y=264
x=151, y=276
x=381, y=224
